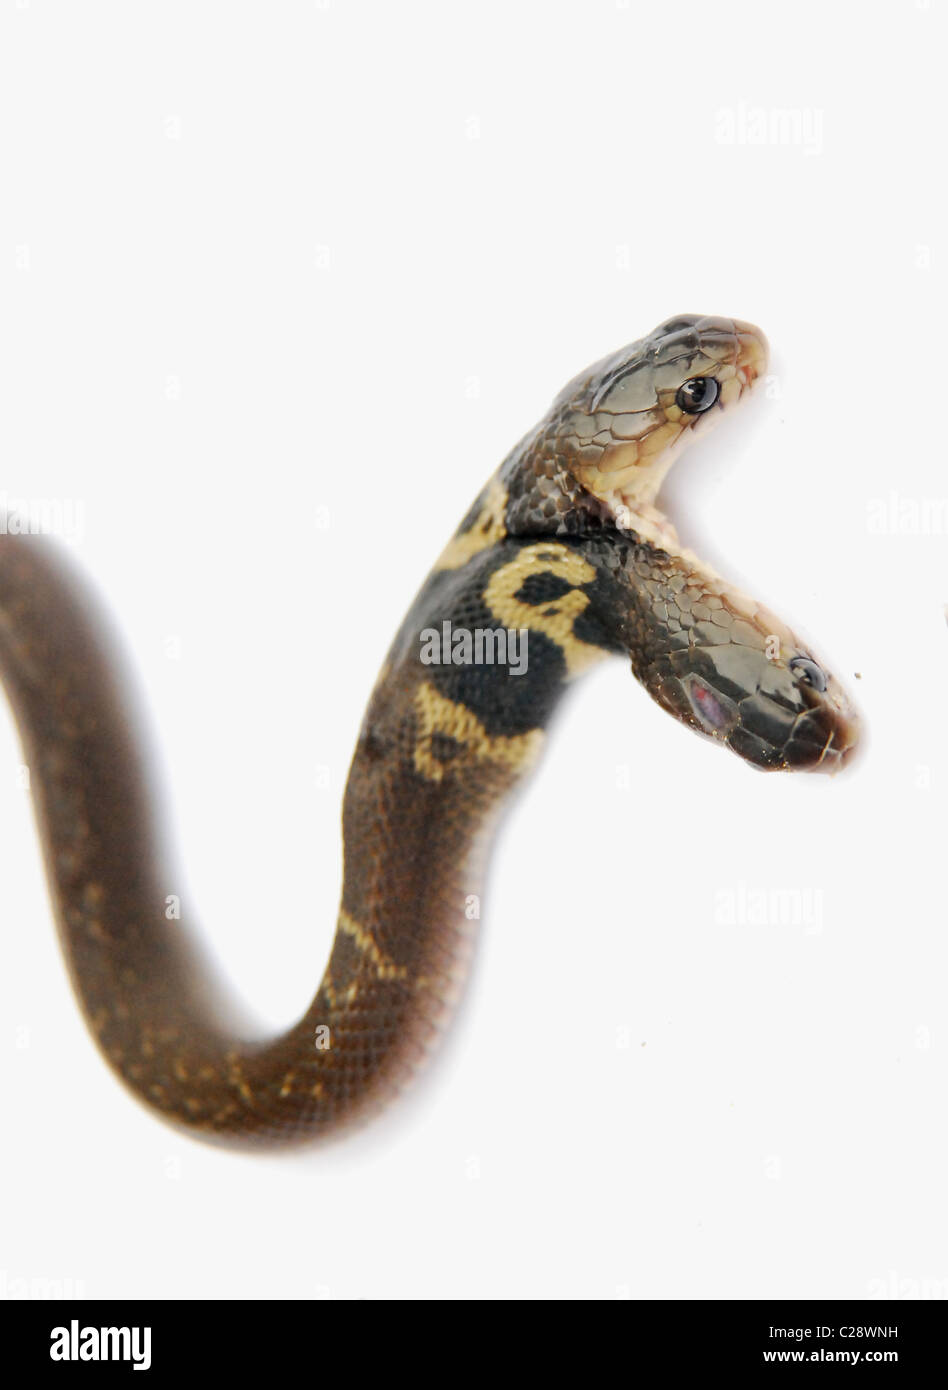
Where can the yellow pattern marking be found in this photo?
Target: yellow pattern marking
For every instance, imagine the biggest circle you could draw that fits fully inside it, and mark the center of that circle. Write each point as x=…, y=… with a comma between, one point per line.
x=385, y=968
x=328, y=988
x=488, y=528
x=556, y=618
x=439, y=715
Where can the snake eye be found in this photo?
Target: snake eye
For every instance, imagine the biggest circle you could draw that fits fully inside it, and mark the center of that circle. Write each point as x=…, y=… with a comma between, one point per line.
x=697, y=395
x=807, y=671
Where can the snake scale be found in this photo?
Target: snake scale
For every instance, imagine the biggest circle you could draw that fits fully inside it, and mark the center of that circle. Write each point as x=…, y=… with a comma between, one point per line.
x=566, y=545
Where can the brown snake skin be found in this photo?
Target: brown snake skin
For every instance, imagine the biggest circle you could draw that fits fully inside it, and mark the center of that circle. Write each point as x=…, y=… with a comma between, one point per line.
x=564, y=542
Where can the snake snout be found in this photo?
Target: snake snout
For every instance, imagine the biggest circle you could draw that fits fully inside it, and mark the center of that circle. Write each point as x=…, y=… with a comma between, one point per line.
x=824, y=739
x=841, y=744
x=753, y=353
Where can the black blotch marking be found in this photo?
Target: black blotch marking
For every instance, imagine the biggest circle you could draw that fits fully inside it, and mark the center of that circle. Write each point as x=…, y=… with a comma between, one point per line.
x=542, y=588
x=604, y=620
x=504, y=703
x=598, y=629
x=444, y=748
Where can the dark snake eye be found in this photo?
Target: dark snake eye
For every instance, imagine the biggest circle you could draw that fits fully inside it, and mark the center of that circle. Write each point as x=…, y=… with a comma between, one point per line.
x=807, y=671
x=697, y=395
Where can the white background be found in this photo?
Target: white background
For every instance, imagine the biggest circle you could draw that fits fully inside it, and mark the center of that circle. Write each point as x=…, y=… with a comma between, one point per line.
x=281, y=286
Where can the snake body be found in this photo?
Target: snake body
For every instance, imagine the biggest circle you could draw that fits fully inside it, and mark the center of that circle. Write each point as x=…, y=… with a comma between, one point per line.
x=565, y=544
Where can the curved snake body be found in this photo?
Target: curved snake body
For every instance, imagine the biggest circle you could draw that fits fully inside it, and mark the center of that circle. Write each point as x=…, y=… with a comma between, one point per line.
x=564, y=543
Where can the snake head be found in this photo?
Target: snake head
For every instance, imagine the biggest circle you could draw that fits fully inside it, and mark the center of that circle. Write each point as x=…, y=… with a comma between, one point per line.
x=784, y=712
x=622, y=423
x=728, y=668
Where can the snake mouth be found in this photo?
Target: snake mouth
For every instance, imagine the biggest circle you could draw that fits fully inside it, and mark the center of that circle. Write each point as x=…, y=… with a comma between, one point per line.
x=805, y=751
